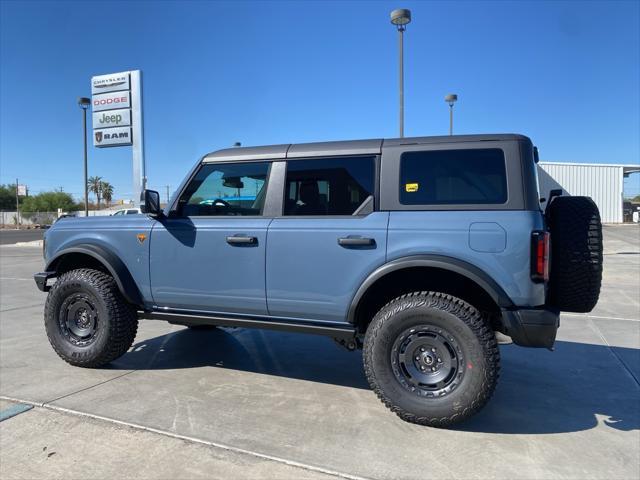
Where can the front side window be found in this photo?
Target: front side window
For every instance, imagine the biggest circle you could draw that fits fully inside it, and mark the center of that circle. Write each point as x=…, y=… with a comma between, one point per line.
x=328, y=186
x=453, y=177
x=226, y=189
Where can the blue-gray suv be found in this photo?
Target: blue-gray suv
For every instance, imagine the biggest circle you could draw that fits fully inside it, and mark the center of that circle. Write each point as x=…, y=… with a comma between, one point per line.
x=425, y=252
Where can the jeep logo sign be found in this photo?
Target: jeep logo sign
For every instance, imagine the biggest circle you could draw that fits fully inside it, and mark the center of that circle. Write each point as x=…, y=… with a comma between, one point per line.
x=111, y=137
x=112, y=118
x=109, y=101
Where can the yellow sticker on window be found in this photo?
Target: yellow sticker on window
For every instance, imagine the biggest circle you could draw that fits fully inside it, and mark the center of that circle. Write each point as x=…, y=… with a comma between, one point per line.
x=411, y=187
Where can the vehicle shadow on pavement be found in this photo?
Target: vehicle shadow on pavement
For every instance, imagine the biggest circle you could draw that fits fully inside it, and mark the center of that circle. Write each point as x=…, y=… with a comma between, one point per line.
x=574, y=388
x=305, y=357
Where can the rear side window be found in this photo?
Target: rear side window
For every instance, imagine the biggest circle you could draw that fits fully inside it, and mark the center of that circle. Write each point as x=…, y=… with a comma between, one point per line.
x=328, y=186
x=453, y=177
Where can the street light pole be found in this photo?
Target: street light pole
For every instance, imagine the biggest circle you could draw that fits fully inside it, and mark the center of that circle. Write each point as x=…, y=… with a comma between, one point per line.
x=400, y=18
x=401, y=78
x=84, y=103
x=451, y=99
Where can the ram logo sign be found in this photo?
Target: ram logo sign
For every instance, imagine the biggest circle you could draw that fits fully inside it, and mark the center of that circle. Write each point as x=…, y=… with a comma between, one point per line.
x=111, y=137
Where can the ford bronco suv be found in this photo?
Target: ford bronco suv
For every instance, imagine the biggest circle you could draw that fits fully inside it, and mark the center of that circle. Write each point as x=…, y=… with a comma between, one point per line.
x=422, y=251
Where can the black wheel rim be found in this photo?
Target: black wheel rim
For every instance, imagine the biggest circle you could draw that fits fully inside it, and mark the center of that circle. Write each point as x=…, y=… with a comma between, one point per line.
x=427, y=360
x=78, y=319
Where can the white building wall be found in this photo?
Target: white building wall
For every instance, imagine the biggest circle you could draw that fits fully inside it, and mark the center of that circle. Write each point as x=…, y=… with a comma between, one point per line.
x=603, y=183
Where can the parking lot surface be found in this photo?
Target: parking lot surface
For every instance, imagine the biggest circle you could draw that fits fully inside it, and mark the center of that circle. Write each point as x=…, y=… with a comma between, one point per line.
x=8, y=236
x=250, y=403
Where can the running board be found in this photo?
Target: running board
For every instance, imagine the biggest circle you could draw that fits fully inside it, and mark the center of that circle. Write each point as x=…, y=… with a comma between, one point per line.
x=335, y=330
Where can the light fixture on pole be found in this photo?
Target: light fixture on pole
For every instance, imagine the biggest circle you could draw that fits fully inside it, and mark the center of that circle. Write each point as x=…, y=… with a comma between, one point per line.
x=400, y=18
x=451, y=99
x=84, y=103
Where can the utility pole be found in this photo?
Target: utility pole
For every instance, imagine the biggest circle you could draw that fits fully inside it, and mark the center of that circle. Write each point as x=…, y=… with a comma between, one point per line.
x=168, y=186
x=17, y=208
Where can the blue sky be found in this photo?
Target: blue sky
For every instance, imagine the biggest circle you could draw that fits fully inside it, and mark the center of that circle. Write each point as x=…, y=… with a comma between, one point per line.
x=565, y=73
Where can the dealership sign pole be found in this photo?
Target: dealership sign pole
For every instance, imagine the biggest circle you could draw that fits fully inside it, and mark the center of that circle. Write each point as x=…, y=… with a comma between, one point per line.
x=117, y=119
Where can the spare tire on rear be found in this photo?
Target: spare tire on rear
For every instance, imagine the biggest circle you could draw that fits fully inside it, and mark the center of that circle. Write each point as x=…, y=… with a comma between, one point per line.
x=576, y=253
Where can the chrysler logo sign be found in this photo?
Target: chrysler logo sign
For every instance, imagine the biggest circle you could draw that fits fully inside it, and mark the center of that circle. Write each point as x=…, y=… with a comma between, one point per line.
x=110, y=83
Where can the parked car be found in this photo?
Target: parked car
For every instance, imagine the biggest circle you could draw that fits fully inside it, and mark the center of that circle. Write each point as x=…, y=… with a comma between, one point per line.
x=127, y=211
x=418, y=250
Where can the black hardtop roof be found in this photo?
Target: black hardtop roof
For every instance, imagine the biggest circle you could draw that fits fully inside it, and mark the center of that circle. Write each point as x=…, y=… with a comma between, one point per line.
x=346, y=147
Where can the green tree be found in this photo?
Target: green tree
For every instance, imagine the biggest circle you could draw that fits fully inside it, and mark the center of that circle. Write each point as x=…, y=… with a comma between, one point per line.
x=107, y=192
x=49, y=202
x=636, y=199
x=95, y=186
x=7, y=197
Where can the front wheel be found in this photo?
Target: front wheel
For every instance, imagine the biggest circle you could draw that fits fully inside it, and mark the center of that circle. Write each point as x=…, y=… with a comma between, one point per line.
x=431, y=358
x=87, y=320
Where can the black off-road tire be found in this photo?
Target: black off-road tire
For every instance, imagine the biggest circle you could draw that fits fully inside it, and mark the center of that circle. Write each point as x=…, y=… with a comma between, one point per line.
x=431, y=315
x=113, y=321
x=576, y=254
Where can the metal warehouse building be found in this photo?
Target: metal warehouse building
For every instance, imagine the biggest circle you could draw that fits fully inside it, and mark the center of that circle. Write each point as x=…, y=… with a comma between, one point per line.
x=602, y=182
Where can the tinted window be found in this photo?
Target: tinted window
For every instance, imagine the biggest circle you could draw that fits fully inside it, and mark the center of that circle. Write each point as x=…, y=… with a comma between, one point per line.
x=453, y=177
x=226, y=189
x=328, y=186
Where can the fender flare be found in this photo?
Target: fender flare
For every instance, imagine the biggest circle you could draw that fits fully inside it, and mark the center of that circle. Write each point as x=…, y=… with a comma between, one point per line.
x=466, y=269
x=116, y=267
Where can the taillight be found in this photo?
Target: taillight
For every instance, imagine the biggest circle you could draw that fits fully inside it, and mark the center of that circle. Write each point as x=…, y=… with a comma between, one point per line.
x=540, y=256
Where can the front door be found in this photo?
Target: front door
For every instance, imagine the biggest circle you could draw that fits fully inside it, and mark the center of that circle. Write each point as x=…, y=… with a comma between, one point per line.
x=328, y=240
x=209, y=254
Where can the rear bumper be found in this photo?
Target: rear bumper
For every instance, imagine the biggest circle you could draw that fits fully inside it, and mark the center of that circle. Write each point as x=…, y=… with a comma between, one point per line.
x=41, y=280
x=532, y=327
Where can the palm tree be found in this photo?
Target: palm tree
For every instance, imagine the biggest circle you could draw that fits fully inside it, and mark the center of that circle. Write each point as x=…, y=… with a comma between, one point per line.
x=107, y=192
x=95, y=186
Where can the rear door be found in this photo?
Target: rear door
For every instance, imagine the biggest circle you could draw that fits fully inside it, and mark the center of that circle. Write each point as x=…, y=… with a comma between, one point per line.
x=209, y=255
x=329, y=238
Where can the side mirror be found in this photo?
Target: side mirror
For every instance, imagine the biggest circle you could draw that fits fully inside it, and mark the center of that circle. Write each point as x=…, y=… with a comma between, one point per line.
x=151, y=204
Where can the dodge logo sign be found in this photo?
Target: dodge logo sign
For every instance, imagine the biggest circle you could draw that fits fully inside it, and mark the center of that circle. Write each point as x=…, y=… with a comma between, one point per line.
x=108, y=101
x=98, y=137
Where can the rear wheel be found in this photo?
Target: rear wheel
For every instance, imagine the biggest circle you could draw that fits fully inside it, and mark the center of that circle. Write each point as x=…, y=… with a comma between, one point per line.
x=576, y=254
x=88, y=322
x=431, y=358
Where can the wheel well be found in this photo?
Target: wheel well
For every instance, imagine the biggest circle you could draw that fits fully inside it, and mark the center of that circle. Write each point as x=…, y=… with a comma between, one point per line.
x=414, y=279
x=75, y=260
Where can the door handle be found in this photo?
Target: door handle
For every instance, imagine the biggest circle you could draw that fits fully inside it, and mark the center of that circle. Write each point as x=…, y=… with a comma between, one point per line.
x=356, y=242
x=241, y=240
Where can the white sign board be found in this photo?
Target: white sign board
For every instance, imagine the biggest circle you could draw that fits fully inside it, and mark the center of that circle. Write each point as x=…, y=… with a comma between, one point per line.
x=22, y=190
x=110, y=83
x=108, y=101
x=112, y=118
x=117, y=118
x=111, y=137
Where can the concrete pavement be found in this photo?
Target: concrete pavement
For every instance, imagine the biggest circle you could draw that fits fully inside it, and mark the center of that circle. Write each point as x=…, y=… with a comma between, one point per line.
x=572, y=413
